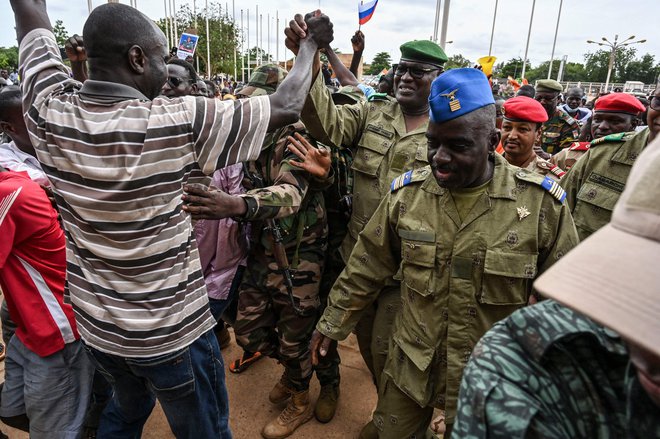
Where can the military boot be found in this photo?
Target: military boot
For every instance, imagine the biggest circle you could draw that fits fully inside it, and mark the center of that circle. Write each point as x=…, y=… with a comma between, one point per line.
x=281, y=392
x=326, y=404
x=296, y=413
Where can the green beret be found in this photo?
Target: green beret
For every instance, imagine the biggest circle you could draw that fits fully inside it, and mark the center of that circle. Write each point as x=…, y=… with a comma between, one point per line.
x=548, y=85
x=423, y=51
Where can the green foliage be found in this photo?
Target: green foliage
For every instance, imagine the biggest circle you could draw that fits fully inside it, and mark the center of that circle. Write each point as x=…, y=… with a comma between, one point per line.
x=596, y=64
x=61, y=35
x=382, y=60
x=644, y=69
x=9, y=58
x=512, y=67
x=223, y=32
x=457, y=61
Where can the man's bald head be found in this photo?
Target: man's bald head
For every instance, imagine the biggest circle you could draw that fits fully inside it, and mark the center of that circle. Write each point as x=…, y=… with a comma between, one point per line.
x=113, y=28
x=11, y=118
x=123, y=45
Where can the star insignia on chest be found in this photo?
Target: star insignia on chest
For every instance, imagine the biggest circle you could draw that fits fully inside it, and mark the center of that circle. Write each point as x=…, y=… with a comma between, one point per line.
x=523, y=213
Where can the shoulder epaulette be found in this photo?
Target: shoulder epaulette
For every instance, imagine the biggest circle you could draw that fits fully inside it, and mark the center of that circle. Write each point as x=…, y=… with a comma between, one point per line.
x=378, y=97
x=550, y=167
x=546, y=183
x=618, y=137
x=409, y=177
x=579, y=146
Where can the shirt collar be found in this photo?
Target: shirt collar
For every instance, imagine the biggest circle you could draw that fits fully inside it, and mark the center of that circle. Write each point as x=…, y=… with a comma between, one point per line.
x=109, y=92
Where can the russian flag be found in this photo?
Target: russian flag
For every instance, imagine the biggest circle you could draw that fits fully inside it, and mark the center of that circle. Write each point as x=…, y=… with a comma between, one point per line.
x=366, y=10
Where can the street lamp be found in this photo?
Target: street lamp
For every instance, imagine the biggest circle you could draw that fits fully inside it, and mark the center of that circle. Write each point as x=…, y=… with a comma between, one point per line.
x=614, y=46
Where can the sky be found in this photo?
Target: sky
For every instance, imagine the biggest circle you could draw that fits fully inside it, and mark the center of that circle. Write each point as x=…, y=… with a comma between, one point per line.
x=398, y=21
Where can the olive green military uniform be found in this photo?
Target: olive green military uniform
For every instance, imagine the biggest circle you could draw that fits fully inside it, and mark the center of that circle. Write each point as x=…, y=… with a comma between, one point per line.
x=266, y=321
x=567, y=157
x=559, y=132
x=383, y=149
x=544, y=167
x=457, y=279
x=595, y=182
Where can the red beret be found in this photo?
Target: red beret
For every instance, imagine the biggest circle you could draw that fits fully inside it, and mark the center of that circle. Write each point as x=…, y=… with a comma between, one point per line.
x=522, y=108
x=619, y=103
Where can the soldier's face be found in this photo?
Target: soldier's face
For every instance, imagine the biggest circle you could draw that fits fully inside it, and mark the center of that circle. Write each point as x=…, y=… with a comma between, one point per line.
x=458, y=151
x=549, y=101
x=518, y=137
x=412, y=83
x=605, y=123
x=574, y=99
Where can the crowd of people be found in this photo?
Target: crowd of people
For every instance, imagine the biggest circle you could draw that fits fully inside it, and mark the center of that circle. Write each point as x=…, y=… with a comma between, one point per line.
x=493, y=255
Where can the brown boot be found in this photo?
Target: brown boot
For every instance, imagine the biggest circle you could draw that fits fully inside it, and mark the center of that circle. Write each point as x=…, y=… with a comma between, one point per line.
x=281, y=392
x=326, y=404
x=296, y=413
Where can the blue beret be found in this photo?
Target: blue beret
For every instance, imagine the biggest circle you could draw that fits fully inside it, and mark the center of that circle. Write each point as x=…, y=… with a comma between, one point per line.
x=457, y=92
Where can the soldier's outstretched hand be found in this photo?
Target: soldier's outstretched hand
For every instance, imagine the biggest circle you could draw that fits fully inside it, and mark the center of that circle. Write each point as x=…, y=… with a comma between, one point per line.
x=319, y=345
x=316, y=161
x=203, y=203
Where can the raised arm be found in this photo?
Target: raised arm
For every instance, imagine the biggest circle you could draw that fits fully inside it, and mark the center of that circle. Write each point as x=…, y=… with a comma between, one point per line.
x=344, y=75
x=287, y=103
x=358, y=48
x=29, y=15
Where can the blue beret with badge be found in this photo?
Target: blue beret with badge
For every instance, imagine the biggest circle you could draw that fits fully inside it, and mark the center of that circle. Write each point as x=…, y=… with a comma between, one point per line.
x=457, y=92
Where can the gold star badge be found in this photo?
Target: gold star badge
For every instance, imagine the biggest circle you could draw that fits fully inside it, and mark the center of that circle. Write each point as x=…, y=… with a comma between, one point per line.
x=523, y=212
x=454, y=104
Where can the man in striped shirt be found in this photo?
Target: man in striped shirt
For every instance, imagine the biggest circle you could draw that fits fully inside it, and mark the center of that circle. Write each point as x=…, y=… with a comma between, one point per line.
x=117, y=155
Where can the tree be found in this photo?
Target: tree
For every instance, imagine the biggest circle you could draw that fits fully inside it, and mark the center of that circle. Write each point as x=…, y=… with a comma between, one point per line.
x=457, y=61
x=223, y=32
x=643, y=69
x=9, y=58
x=61, y=35
x=512, y=67
x=382, y=60
x=596, y=64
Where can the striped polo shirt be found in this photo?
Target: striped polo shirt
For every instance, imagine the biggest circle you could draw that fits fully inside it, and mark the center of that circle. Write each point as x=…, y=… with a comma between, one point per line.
x=117, y=162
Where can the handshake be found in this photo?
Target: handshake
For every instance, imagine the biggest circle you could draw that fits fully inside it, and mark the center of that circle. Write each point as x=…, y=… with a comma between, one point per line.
x=315, y=27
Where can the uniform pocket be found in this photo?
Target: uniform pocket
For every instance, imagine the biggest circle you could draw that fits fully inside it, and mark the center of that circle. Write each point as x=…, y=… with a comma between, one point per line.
x=418, y=262
x=507, y=277
x=594, y=206
x=371, y=151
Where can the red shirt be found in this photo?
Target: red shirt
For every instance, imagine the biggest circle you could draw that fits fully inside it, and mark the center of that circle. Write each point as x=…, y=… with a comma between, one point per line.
x=33, y=266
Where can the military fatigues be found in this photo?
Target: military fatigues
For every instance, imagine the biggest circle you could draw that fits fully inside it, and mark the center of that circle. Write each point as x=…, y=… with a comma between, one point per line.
x=376, y=132
x=266, y=321
x=549, y=372
x=567, y=157
x=595, y=182
x=458, y=279
x=559, y=132
x=544, y=167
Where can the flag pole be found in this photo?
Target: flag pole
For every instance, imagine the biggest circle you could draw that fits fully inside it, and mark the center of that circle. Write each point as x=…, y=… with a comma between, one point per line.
x=208, y=42
x=248, y=44
x=233, y=22
x=529, y=33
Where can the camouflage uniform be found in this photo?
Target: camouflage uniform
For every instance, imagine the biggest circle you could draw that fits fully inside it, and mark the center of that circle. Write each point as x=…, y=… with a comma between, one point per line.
x=266, y=321
x=595, y=182
x=383, y=149
x=549, y=372
x=559, y=132
x=567, y=157
x=457, y=277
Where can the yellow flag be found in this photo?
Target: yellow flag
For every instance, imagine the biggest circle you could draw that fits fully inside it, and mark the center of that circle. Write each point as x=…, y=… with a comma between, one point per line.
x=486, y=63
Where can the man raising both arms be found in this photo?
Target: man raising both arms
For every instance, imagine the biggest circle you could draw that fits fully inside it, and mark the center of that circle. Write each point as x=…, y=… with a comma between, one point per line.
x=117, y=156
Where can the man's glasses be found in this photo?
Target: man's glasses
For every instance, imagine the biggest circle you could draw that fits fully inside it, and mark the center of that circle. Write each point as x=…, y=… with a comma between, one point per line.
x=174, y=82
x=415, y=72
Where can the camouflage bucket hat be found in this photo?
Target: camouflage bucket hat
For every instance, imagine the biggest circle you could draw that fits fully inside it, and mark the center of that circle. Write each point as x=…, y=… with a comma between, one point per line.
x=264, y=80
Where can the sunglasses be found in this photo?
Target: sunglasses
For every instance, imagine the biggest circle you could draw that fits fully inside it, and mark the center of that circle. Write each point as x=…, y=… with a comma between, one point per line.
x=415, y=72
x=174, y=82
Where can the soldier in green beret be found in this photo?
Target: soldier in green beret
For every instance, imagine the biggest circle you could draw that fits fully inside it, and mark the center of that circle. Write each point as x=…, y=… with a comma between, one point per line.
x=561, y=129
x=387, y=138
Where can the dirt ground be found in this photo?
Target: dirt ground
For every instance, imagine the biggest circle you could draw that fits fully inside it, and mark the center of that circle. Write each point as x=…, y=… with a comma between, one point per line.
x=250, y=409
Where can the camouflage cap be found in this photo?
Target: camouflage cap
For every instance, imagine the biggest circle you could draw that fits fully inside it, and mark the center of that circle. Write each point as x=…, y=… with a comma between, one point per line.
x=548, y=85
x=348, y=94
x=264, y=80
x=423, y=51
